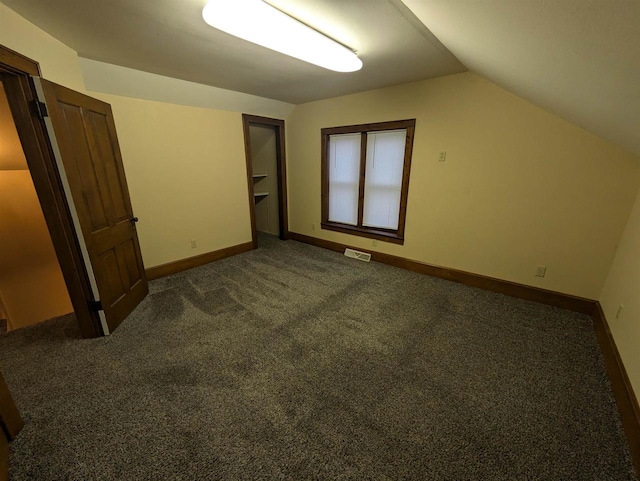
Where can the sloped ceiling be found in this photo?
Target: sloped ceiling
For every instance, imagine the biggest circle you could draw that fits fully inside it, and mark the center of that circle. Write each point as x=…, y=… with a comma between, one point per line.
x=579, y=59
x=170, y=38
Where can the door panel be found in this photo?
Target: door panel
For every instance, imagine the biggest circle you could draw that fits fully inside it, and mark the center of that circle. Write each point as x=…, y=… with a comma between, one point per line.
x=104, y=151
x=73, y=129
x=86, y=136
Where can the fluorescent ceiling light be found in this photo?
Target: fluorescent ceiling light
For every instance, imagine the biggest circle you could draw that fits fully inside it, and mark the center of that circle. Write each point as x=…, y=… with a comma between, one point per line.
x=260, y=23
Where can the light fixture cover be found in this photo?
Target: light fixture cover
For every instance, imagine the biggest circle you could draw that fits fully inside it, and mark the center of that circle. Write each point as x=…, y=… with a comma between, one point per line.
x=260, y=23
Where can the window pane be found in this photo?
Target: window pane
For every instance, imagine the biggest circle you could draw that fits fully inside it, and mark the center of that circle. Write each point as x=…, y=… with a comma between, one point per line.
x=383, y=178
x=344, y=178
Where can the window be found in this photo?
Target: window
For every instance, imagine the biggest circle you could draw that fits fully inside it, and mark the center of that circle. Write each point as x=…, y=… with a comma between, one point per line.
x=365, y=179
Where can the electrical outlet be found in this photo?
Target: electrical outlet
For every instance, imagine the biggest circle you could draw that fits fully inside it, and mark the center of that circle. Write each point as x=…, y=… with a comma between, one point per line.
x=442, y=156
x=313, y=227
x=375, y=242
x=194, y=243
x=541, y=271
x=619, y=311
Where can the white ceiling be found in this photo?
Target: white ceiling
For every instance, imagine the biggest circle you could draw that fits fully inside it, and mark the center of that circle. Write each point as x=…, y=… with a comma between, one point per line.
x=579, y=59
x=169, y=37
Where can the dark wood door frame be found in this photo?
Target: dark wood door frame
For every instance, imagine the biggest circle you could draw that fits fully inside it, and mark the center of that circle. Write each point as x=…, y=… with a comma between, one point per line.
x=15, y=72
x=281, y=159
x=10, y=421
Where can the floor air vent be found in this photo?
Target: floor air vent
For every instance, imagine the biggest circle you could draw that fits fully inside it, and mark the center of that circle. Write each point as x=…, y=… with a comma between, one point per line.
x=361, y=256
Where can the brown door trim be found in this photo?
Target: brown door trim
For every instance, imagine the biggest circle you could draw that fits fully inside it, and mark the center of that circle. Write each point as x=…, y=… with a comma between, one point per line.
x=4, y=458
x=281, y=158
x=15, y=71
x=10, y=421
x=18, y=63
x=620, y=384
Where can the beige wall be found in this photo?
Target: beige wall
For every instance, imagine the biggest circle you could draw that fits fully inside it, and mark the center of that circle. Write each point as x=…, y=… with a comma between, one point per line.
x=186, y=171
x=622, y=288
x=519, y=187
x=31, y=283
x=58, y=62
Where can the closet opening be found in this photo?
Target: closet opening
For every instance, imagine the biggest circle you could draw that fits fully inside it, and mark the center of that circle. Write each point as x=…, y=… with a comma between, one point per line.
x=32, y=286
x=266, y=178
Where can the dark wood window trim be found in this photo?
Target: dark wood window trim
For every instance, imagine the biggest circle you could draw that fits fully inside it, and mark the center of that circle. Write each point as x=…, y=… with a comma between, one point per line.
x=386, y=235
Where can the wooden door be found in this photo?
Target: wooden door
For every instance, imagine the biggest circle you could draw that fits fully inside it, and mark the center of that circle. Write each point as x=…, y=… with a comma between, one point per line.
x=10, y=420
x=86, y=136
x=10, y=425
x=4, y=458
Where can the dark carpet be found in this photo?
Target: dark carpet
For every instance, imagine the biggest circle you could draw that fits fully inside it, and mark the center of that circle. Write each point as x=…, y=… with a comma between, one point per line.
x=296, y=363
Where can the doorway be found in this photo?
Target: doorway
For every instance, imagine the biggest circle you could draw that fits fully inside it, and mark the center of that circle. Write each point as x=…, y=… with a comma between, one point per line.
x=266, y=177
x=16, y=74
x=72, y=152
x=32, y=287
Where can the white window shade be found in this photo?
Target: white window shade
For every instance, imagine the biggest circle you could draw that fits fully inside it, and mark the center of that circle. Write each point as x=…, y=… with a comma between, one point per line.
x=383, y=178
x=344, y=178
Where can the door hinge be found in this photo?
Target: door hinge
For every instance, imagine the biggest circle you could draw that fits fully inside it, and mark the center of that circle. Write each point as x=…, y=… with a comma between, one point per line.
x=95, y=305
x=39, y=109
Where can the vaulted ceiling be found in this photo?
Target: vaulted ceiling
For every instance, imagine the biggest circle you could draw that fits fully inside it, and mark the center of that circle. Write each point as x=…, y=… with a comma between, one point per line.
x=579, y=59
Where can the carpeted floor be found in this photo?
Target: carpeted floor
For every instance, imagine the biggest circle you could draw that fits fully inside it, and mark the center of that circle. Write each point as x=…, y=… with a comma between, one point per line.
x=296, y=363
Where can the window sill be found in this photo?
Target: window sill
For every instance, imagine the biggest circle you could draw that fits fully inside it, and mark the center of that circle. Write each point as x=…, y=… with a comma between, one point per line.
x=370, y=233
